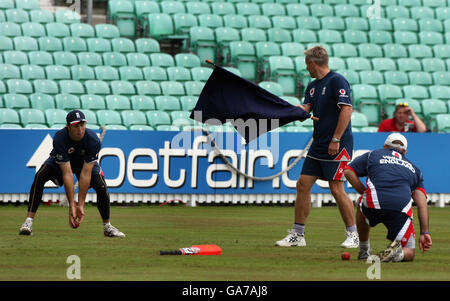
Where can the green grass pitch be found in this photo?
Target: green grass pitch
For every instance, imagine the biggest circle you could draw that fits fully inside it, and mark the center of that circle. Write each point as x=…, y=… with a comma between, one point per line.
x=246, y=235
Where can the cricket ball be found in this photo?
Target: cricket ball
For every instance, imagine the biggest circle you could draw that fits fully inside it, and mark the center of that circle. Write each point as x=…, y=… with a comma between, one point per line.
x=345, y=256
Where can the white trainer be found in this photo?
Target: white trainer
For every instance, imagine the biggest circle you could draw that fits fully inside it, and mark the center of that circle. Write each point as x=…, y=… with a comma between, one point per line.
x=111, y=231
x=26, y=228
x=293, y=239
x=363, y=254
x=393, y=252
x=352, y=240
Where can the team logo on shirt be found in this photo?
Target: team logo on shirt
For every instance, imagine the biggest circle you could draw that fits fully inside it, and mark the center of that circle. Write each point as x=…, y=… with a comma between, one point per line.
x=311, y=92
x=397, y=155
x=342, y=93
x=71, y=150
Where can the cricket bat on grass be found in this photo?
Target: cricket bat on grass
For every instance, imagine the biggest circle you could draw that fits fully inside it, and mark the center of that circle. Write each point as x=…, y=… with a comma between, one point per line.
x=195, y=250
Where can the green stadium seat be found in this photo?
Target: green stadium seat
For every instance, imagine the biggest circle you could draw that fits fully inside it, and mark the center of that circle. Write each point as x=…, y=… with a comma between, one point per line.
x=167, y=103
x=405, y=24
x=131, y=74
x=74, y=44
x=291, y=49
x=359, y=120
x=154, y=73
x=273, y=87
x=300, y=65
x=420, y=78
x=193, y=87
x=380, y=24
x=389, y=94
x=33, y=116
x=6, y=43
x=159, y=26
x=188, y=60
x=443, y=123
x=71, y=87
x=99, y=45
x=32, y=29
x=132, y=117
x=122, y=87
x=243, y=57
x=351, y=76
x=433, y=64
x=7, y=4
x=172, y=88
x=67, y=16
x=107, y=31
x=358, y=63
x=142, y=103
x=369, y=129
x=355, y=37
x=371, y=77
x=65, y=58
x=225, y=35
x=143, y=8
x=364, y=92
x=421, y=12
x=41, y=101
x=147, y=45
x=441, y=78
x=117, y=102
x=182, y=22
x=91, y=119
x=427, y=25
x=210, y=21
x=357, y=23
x=409, y=64
x=90, y=59
x=253, y=35
x=40, y=58
x=162, y=59
x=405, y=37
x=15, y=57
x=31, y=72
x=16, y=101
x=285, y=22
x=380, y=37
x=141, y=127
x=201, y=73
x=415, y=92
x=149, y=88
x=392, y=50
x=368, y=50
x=19, y=86
x=345, y=10
x=344, y=50
x=57, y=30
x=116, y=127
x=50, y=44
x=396, y=77
x=172, y=7
x=273, y=9
x=397, y=11
x=188, y=102
x=178, y=73
x=308, y=22
x=431, y=108
x=420, y=51
x=329, y=36
x=9, y=116
x=442, y=13
x=222, y=8
x=181, y=122
x=138, y=59
x=82, y=30
x=17, y=15
x=92, y=102
x=58, y=72
x=167, y=128
x=247, y=9
x=156, y=118
x=431, y=38
x=304, y=36
x=67, y=102
x=108, y=117
x=291, y=99
x=46, y=86
x=41, y=126
x=439, y=92
x=41, y=16
x=282, y=71
x=333, y=23
x=435, y=3
x=97, y=87
x=9, y=71
x=123, y=45
x=123, y=15
x=235, y=21
x=82, y=73
x=297, y=9
x=10, y=29
x=321, y=10
x=114, y=59
x=279, y=35
x=259, y=21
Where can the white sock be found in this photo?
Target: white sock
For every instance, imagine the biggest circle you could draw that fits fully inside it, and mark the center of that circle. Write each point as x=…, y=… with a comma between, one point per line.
x=351, y=228
x=29, y=219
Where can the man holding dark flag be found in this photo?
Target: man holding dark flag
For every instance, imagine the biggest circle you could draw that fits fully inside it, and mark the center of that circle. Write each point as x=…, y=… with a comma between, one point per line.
x=328, y=96
x=228, y=97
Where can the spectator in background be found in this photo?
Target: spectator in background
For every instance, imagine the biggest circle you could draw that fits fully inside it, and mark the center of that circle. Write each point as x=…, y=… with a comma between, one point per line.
x=401, y=121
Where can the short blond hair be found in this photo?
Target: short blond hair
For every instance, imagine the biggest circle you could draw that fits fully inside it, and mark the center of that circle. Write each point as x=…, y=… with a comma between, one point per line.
x=318, y=54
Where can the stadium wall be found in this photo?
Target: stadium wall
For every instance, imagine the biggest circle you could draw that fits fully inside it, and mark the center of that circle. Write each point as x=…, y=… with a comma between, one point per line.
x=159, y=167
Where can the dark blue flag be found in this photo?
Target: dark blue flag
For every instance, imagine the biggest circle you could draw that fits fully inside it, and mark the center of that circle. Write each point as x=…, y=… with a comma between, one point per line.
x=251, y=109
